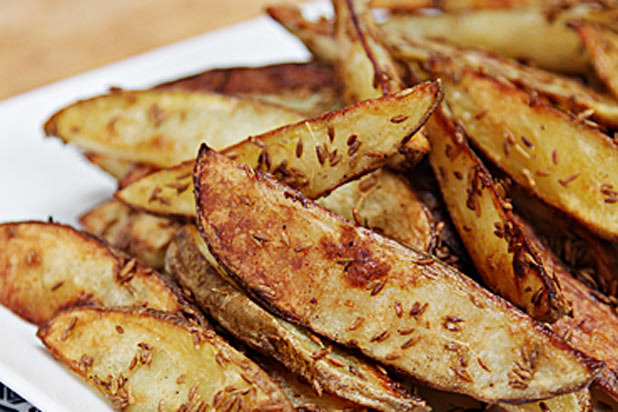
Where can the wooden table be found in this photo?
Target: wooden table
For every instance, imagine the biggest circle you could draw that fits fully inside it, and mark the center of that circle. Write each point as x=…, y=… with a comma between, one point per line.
x=42, y=41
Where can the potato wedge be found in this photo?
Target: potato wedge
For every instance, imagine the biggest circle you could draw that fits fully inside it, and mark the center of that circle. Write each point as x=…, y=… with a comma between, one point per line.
x=569, y=94
x=529, y=34
x=593, y=326
x=46, y=267
x=602, y=44
x=385, y=202
x=317, y=36
x=162, y=127
x=145, y=360
x=345, y=282
x=302, y=396
x=315, y=156
x=329, y=369
x=366, y=67
x=564, y=162
x=136, y=233
x=499, y=248
x=310, y=88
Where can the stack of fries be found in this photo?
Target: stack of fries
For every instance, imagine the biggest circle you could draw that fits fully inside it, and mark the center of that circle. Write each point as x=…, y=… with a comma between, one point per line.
x=423, y=217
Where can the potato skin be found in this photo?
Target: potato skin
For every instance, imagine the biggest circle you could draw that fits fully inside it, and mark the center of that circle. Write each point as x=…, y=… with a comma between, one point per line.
x=343, y=282
x=329, y=369
x=145, y=360
x=45, y=267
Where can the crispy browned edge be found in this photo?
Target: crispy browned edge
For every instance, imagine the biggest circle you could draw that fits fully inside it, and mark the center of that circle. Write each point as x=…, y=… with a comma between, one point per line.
x=186, y=310
x=276, y=78
x=184, y=256
x=552, y=304
x=537, y=104
x=260, y=378
x=594, y=366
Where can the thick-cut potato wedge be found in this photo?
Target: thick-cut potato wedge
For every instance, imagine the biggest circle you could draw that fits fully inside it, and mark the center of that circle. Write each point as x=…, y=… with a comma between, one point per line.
x=572, y=402
x=567, y=164
x=315, y=156
x=310, y=88
x=163, y=127
x=146, y=360
x=302, y=395
x=592, y=260
x=500, y=249
x=385, y=202
x=602, y=44
x=331, y=370
x=529, y=34
x=347, y=283
x=317, y=36
x=139, y=234
x=566, y=92
x=364, y=63
x=46, y=267
x=593, y=326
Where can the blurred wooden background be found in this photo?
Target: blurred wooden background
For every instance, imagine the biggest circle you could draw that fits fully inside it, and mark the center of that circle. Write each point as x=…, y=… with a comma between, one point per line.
x=42, y=41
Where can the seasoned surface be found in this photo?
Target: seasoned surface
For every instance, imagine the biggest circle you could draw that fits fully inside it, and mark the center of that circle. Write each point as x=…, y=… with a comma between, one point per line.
x=163, y=127
x=45, y=267
x=329, y=369
x=569, y=165
x=498, y=246
x=344, y=282
x=315, y=156
x=149, y=360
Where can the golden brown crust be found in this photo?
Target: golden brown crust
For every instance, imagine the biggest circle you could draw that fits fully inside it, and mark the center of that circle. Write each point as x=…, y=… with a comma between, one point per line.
x=146, y=359
x=329, y=271
x=45, y=267
x=327, y=368
x=171, y=123
x=499, y=248
x=136, y=233
x=566, y=163
x=564, y=92
x=276, y=78
x=315, y=156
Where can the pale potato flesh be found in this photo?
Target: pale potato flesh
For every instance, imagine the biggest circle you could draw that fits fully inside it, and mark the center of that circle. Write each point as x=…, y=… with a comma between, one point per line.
x=526, y=34
x=150, y=360
x=315, y=156
x=329, y=369
x=346, y=282
x=45, y=267
x=163, y=127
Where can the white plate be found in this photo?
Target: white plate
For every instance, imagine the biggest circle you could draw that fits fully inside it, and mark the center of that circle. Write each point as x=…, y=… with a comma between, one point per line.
x=40, y=177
